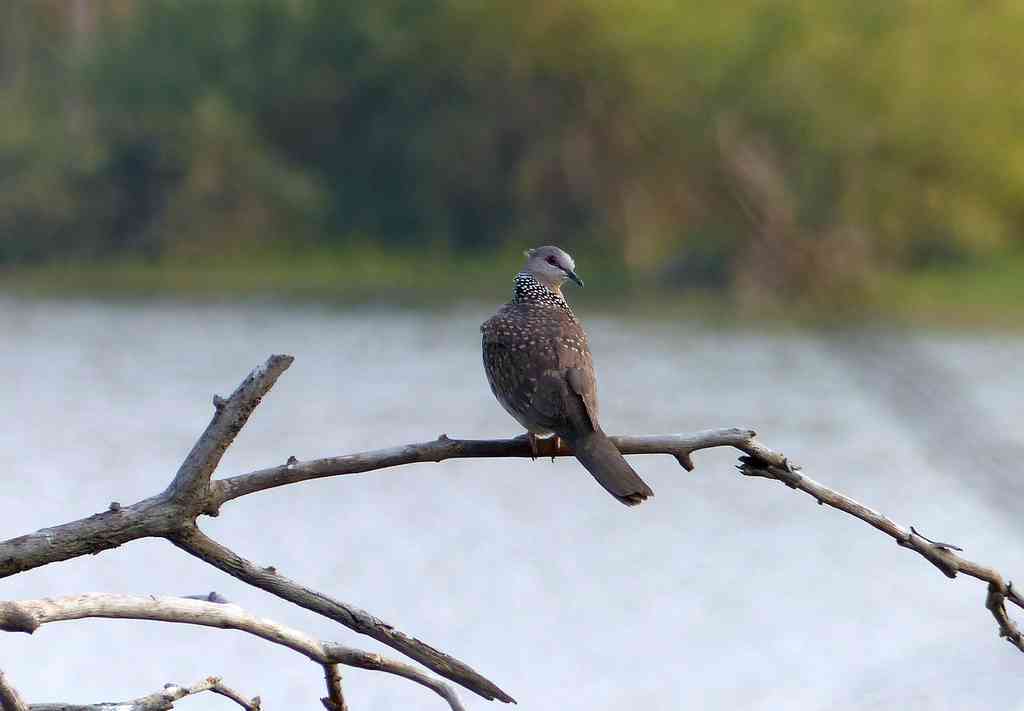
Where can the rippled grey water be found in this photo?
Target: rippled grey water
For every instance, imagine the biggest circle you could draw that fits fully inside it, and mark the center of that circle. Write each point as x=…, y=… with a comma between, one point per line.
x=719, y=593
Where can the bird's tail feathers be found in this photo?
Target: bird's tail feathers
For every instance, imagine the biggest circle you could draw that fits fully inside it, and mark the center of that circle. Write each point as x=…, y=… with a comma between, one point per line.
x=601, y=458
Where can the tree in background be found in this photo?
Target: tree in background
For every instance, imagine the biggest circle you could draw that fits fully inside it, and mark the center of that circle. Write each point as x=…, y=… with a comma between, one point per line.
x=783, y=148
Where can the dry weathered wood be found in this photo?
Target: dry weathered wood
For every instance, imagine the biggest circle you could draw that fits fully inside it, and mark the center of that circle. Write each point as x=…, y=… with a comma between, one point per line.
x=250, y=704
x=771, y=465
x=335, y=699
x=270, y=579
x=375, y=662
x=172, y=515
x=160, y=700
x=10, y=699
x=152, y=517
x=156, y=516
x=680, y=446
x=29, y=615
x=190, y=484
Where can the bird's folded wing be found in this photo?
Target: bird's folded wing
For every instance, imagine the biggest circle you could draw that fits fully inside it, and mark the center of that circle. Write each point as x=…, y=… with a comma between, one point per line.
x=545, y=373
x=583, y=385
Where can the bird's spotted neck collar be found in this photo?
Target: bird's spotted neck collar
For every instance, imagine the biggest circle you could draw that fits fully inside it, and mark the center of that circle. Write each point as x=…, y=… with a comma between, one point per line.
x=530, y=291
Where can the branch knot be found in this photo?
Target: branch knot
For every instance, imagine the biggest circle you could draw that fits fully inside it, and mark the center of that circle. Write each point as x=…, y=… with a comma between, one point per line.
x=15, y=618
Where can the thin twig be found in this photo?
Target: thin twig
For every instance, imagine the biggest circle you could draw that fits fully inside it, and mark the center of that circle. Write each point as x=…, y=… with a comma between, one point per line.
x=772, y=465
x=29, y=615
x=227, y=692
x=158, y=701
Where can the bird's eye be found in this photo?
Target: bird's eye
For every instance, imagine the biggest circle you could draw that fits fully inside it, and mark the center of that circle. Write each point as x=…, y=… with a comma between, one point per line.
x=552, y=261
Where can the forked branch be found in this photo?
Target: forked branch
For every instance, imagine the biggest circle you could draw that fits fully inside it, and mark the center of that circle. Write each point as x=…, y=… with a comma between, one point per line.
x=29, y=615
x=157, y=701
x=173, y=515
x=270, y=579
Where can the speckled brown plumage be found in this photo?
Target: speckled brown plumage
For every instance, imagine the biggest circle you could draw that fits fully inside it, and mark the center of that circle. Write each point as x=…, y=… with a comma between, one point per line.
x=539, y=366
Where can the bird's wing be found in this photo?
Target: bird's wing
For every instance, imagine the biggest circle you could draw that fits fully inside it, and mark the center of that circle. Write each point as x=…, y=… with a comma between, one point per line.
x=516, y=364
x=583, y=385
x=579, y=396
x=539, y=365
x=531, y=355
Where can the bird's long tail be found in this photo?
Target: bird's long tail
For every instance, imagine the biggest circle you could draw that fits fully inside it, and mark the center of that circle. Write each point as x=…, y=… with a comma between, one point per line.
x=601, y=458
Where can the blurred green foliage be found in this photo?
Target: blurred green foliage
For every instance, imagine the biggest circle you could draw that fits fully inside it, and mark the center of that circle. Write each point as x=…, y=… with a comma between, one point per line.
x=784, y=149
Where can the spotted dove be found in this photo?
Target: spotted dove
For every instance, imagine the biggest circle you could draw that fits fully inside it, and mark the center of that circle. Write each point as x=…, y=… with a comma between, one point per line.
x=539, y=366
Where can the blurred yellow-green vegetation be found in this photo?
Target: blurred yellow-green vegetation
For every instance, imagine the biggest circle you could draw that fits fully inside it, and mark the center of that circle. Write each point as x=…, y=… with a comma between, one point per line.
x=775, y=155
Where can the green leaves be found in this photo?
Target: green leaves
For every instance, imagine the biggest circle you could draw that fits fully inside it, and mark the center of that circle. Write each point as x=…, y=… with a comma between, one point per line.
x=665, y=131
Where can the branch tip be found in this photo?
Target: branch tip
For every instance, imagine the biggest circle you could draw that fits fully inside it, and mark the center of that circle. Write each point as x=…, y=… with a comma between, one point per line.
x=192, y=540
x=192, y=493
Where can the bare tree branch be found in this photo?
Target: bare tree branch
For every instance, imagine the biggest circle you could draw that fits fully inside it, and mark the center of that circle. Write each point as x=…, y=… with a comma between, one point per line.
x=29, y=615
x=680, y=446
x=227, y=692
x=190, y=484
x=173, y=513
x=375, y=662
x=158, y=701
x=205, y=548
x=772, y=465
x=10, y=699
x=157, y=515
x=335, y=699
x=152, y=517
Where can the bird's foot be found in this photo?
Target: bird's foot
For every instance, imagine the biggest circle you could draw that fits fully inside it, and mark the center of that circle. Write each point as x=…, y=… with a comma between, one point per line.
x=534, y=444
x=542, y=446
x=556, y=443
x=545, y=446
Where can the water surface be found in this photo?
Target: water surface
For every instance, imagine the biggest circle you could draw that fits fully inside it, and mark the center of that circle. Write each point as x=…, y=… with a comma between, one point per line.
x=720, y=592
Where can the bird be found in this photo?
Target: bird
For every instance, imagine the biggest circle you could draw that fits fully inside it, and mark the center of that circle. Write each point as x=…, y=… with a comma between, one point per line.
x=538, y=364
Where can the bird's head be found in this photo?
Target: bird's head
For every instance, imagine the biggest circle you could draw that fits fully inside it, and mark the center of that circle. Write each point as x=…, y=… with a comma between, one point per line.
x=551, y=266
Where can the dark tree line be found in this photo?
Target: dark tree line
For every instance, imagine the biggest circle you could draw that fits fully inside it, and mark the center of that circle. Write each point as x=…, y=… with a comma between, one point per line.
x=795, y=146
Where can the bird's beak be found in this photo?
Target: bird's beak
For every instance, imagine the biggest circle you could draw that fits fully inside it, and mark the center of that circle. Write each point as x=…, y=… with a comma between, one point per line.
x=572, y=275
